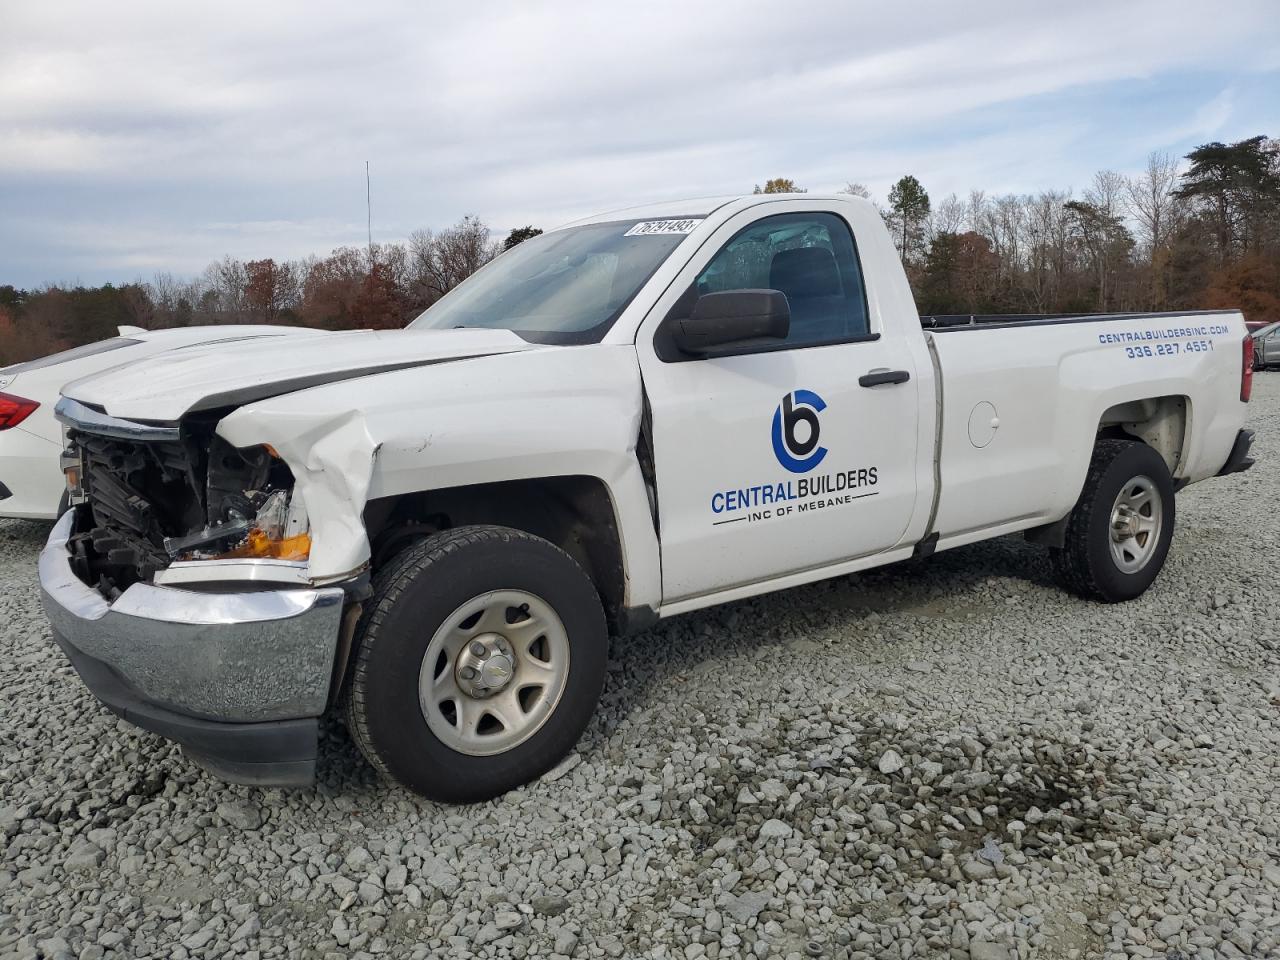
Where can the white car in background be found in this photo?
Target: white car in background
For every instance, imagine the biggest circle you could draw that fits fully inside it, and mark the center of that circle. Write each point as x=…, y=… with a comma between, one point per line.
x=31, y=480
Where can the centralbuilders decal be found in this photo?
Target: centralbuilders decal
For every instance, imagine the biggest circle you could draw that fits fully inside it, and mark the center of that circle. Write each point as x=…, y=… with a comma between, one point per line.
x=795, y=435
x=1165, y=341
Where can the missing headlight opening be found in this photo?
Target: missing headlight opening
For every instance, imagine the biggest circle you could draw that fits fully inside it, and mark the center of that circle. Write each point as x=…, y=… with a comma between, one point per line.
x=149, y=503
x=278, y=529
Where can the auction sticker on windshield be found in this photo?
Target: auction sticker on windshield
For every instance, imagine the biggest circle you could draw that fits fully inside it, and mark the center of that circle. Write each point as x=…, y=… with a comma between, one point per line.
x=651, y=227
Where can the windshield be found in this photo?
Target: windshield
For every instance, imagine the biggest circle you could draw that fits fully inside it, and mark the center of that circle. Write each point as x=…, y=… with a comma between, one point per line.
x=563, y=287
x=1266, y=331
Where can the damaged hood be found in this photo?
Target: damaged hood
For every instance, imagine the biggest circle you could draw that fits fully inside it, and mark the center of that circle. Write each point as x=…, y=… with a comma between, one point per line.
x=164, y=387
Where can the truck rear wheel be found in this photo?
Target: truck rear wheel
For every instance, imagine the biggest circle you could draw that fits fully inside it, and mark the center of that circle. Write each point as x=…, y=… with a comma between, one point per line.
x=480, y=659
x=1119, y=531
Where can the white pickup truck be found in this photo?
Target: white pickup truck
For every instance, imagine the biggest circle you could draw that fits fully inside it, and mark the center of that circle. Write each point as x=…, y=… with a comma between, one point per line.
x=638, y=415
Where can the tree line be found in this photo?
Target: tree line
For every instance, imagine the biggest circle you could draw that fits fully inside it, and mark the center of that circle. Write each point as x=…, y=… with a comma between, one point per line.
x=1201, y=231
x=382, y=286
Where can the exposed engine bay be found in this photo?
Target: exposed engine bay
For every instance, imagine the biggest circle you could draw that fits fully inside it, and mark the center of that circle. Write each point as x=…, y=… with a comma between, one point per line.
x=144, y=504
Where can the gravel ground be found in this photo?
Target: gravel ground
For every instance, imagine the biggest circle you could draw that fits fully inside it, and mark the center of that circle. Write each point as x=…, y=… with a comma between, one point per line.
x=947, y=758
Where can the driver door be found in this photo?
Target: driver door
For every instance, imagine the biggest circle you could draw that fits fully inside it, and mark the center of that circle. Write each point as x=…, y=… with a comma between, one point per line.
x=775, y=458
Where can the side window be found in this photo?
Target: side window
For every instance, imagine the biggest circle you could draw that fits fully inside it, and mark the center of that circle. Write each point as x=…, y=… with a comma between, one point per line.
x=810, y=257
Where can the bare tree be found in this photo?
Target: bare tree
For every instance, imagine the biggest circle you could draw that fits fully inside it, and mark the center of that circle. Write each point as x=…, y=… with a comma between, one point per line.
x=949, y=216
x=435, y=263
x=1158, y=213
x=1149, y=200
x=1002, y=221
x=461, y=250
x=975, y=210
x=1047, y=256
x=421, y=269
x=1107, y=192
x=855, y=189
x=226, y=279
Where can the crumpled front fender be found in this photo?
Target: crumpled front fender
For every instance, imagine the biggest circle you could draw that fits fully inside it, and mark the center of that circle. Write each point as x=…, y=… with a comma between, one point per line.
x=332, y=458
x=533, y=414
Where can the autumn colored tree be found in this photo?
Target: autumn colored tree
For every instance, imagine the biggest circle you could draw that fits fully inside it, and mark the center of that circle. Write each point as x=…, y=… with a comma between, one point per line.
x=13, y=345
x=378, y=304
x=330, y=289
x=1251, y=285
x=1204, y=232
x=270, y=288
x=960, y=275
x=779, y=185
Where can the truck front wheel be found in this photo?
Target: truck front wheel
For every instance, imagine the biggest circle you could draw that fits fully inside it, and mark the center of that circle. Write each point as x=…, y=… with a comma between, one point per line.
x=1118, y=534
x=480, y=659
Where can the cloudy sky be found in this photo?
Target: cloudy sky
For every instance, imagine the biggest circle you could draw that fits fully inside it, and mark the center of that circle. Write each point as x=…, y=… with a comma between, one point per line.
x=144, y=137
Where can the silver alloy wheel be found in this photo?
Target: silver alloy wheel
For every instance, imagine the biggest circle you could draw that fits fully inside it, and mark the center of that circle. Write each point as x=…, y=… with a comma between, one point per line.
x=1136, y=520
x=494, y=672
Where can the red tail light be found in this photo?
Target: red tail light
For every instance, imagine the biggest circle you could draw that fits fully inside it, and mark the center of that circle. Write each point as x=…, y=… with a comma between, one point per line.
x=13, y=410
x=1246, y=370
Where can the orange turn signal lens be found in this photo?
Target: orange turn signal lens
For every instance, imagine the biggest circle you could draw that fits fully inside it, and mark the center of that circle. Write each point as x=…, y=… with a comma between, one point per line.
x=258, y=544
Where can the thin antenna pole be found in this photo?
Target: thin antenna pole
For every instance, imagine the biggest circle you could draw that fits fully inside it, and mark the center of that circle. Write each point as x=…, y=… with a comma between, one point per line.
x=368, y=205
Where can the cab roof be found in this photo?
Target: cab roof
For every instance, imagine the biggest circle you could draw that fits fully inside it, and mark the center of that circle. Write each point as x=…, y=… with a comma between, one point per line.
x=693, y=207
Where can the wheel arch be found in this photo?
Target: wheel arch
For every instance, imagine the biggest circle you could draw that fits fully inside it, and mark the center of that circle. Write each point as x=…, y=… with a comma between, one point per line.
x=1161, y=422
x=577, y=513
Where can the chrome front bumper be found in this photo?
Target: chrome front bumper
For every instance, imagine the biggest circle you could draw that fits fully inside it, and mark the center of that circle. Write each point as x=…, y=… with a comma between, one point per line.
x=223, y=673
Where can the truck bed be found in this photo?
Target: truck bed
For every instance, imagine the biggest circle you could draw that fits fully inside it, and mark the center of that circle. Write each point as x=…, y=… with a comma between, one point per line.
x=1021, y=412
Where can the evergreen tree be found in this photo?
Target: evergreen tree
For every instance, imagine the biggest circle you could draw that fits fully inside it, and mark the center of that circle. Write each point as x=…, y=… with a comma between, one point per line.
x=909, y=207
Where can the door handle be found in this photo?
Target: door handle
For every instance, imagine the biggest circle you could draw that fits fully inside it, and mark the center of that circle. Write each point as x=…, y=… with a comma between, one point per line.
x=877, y=377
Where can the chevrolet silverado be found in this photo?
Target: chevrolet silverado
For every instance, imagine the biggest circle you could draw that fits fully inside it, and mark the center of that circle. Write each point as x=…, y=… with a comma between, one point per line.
x=435, y=530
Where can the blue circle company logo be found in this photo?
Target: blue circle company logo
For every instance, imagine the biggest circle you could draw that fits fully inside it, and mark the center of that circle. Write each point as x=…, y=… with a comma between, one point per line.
x=795, y=431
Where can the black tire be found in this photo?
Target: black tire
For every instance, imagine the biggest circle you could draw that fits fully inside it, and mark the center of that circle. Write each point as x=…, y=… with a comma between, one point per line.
x=1084, y=564
x=64, y=504
x=412, y=597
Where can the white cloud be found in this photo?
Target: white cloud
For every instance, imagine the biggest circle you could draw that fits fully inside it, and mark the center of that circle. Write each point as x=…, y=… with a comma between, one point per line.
x=538, y=112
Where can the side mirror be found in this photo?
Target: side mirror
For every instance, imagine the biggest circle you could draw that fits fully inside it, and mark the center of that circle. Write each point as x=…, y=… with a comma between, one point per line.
x=732, y=318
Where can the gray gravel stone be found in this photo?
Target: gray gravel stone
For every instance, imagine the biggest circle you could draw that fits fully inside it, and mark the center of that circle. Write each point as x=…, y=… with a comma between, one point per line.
x=1167, y=928
x=774, y=830
x=985, y=950
x=562, y=768
x=729, y=800
x=396, y=879
x=746, y=906
x=84, y=857
x=566, y=942
x=240, y=814
x=549, y=906
x=890, y=762
x=979, y=870
x=250, y=928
